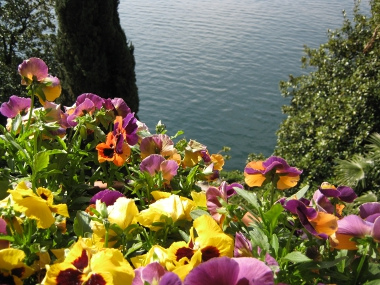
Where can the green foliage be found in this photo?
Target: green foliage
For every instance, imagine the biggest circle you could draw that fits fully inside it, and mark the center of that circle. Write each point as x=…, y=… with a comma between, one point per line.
x=334, y=108
x=26, y=29
x=362, y=170
x=93, y=52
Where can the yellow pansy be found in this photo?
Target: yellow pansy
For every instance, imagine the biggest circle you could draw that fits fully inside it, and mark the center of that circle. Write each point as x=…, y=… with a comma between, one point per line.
x=37, y=206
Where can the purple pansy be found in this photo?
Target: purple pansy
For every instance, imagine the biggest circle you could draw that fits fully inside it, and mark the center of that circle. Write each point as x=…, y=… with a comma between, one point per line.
x=120, y=107
x=230, y=271
x=16, y=105
x=32, y=68
x=281, y=166
x=155, y=163
x=213, y=195
x=107, y=196
x=154, y=273
x=343, y=193
x=243, y=247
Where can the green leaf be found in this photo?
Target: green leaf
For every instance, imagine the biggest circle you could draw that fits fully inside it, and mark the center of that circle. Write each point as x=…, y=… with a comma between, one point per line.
x=197, y=213
x=82, y=223
x=297, y=257
x=272, y=215
x=41, y=159
x=300, y=193
x=250, y=197
x=275, y=244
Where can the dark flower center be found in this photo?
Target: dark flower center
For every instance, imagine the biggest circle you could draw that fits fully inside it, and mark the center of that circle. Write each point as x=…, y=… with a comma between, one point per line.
x=96, y=279
x=184, y=252
x=18, y=271
x=209, y=252
x=108, y=152
x=69, y=277
x=82, y=261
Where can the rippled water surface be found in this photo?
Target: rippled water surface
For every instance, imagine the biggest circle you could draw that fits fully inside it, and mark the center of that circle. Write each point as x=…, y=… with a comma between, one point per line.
x=212, y=67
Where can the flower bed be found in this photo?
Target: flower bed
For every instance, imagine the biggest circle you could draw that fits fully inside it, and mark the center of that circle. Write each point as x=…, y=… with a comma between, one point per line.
x=151, y=222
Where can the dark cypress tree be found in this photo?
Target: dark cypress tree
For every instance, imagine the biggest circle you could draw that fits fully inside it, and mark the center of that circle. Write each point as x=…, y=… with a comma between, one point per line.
x=93, y=52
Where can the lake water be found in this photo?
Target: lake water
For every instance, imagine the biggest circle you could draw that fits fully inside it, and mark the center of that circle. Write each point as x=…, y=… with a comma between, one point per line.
x=212, y=67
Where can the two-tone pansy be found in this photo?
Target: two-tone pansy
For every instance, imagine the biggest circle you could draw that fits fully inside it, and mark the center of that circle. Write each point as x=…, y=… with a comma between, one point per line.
x=274, y=170
x=320, y=224
x=159, y=144
x=114, y=150
x=35, y=71
x=353, y=226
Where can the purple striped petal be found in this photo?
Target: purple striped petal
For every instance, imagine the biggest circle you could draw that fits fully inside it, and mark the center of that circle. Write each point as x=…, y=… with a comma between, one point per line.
x=376, y=230
x=96, y=100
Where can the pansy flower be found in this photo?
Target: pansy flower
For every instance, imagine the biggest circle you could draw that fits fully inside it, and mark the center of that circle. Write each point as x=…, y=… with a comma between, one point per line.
x=343, y=193
x=274, y=169
x=367, y=224
x=15, y=105
x=106, y=196
x=122, y=212
x=12, y=267
x=155, y=163
x=174, y=207
x=320, y=224
x=194, y=153
x=159, y=144
x=231, y=271
x=36, y=70
x=127, y=128
x=38, y=206
x=155, y=273
x=85, y=265
x=155, y=254
x=210, y=242
x=213, y=195
x=114, y=150
x=243, y=247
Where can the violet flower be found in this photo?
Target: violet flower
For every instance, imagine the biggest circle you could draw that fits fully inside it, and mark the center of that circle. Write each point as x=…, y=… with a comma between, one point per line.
x=155, y=163
x=230, y=271
x=343, y=193
x=15, y=105
x=107, y=196
x=274, y=169
x=243, y=247
x=213, y=195
x=154, y=273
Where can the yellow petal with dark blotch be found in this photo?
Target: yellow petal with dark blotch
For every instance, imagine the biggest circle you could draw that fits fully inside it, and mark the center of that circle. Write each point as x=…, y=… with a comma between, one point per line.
x=111, y=261
x=36, y=208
